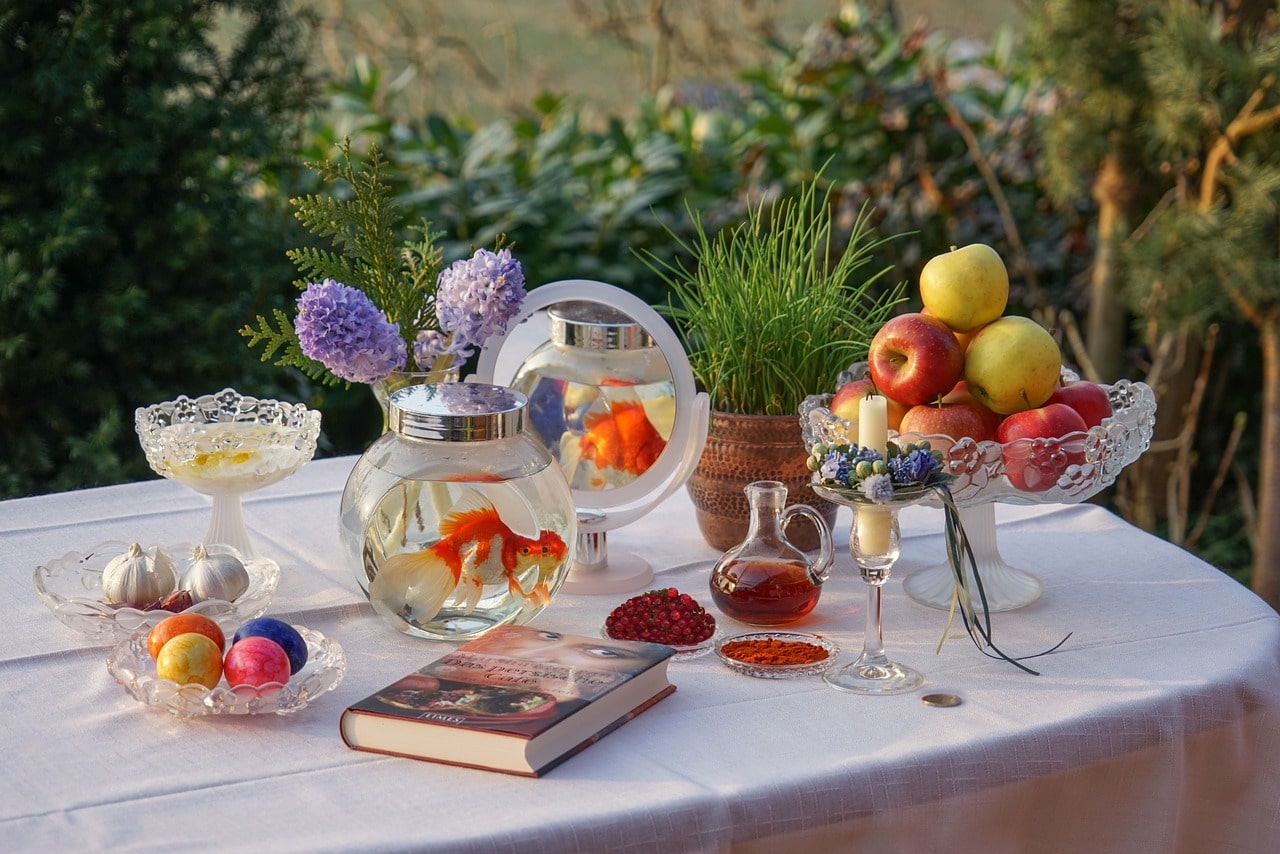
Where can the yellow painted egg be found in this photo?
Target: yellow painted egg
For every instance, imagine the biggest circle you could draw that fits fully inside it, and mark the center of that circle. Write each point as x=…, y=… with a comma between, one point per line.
x=190, y=657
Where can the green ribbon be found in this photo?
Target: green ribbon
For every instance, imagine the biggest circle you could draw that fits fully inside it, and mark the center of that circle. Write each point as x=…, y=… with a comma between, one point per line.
x=958, y=549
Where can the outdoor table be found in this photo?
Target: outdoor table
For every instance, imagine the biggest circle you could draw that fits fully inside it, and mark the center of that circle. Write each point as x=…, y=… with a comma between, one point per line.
x=1155, y=727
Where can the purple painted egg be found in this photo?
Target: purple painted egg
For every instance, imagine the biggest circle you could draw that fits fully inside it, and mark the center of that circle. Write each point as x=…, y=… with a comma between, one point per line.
x=256, y=661
x=280, y=632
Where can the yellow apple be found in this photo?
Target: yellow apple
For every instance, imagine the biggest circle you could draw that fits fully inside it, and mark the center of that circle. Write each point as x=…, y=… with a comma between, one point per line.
x=966, y=287
x=1012, y=364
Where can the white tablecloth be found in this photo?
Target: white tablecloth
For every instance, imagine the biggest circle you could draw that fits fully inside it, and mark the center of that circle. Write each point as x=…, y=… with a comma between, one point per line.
x=1155, y=728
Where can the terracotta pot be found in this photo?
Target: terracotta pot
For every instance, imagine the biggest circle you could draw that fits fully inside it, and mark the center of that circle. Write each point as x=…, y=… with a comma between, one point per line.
x=742, y=449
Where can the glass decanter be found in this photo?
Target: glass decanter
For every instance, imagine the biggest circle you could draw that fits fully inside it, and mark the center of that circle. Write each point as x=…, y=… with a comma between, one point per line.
x=766, y=580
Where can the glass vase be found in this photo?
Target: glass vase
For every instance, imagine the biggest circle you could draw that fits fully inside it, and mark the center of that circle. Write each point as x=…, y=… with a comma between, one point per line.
x=457, y=520
x=396, y=380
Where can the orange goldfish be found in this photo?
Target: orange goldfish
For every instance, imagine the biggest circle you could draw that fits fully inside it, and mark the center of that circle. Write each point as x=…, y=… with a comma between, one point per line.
x=476, y=548
x=622, y=439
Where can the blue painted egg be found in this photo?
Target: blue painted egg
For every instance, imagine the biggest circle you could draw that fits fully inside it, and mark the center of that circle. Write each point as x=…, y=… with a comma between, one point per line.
x=280, y=632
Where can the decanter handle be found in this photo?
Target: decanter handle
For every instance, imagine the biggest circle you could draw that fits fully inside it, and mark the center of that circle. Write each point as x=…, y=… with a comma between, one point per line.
x=819, y=570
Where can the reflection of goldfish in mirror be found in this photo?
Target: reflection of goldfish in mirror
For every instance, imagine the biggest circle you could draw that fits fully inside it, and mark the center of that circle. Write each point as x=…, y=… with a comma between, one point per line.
x=621, y=439
x=476, y=548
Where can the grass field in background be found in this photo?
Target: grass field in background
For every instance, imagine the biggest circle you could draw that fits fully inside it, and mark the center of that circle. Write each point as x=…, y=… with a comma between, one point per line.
x=480, y=58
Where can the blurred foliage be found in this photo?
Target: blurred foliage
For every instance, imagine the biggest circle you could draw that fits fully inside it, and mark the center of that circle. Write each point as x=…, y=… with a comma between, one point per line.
x=890, y=109
x=148, y=221
x=878, y=107
x=856, y=95
x=142, y=214
x=1180, y=97
x=89, y=242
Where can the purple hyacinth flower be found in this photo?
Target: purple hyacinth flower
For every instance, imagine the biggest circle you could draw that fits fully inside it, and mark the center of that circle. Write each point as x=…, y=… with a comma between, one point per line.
x=477, y=297
x=429, y=344
x=343, y=330
x=915, y=467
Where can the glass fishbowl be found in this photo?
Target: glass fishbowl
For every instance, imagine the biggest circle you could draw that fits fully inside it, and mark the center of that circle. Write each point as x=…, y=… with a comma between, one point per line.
x=601, y=395
x=456, y=520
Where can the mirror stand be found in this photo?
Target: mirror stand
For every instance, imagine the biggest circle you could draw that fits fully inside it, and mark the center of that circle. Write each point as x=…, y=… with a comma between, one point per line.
x=595, y=570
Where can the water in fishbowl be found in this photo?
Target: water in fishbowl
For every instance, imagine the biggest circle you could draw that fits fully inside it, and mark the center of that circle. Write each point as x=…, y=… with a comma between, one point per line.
x=450, y=559
x=604, y=436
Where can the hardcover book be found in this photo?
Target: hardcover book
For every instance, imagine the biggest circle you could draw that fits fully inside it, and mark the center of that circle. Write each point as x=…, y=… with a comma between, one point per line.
x=519, y=700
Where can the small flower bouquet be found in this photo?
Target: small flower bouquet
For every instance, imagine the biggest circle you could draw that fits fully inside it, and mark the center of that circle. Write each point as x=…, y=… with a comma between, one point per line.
x=371, y=305
x=909, y=472
x=865, y=476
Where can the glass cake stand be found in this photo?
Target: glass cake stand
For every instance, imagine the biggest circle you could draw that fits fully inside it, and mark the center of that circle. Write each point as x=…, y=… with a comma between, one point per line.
x=224, y=445
x=1085, y=463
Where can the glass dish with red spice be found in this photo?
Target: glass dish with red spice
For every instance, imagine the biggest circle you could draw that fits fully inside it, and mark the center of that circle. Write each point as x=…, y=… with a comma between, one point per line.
x=777, y=655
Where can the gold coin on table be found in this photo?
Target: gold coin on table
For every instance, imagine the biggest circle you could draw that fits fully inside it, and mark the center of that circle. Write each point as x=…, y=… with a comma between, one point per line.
x=941, y=701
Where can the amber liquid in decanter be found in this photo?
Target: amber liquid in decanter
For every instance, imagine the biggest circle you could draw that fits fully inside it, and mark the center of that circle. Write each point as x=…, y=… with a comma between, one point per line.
x=765, y=592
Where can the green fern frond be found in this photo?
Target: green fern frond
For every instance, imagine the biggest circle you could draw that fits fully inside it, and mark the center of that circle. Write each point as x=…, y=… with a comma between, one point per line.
x=362, y=229
x=316, y=265
x=281, y=338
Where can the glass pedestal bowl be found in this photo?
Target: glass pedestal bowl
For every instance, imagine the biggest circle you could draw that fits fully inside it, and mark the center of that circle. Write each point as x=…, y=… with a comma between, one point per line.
x=224, y=445
x=1080, y=466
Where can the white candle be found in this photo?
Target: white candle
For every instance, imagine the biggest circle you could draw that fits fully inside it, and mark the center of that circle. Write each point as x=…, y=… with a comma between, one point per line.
x=875, y=525
x=873, y=422
x=873, y=432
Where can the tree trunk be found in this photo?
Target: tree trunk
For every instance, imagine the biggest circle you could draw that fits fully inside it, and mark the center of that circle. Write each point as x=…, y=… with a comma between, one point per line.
x=1266, y=560
x=1173, y=379
x=1106, y=322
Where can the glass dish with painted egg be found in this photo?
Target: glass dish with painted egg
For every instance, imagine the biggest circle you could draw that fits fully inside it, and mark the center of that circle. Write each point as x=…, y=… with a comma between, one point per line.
x=117, y=588
x=131, y=664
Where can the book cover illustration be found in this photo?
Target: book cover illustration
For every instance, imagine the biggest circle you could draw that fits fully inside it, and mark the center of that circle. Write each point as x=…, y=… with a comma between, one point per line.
x=515, y=679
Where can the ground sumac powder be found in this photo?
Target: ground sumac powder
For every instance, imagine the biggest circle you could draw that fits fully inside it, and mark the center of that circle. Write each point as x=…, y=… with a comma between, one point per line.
x=772, y=651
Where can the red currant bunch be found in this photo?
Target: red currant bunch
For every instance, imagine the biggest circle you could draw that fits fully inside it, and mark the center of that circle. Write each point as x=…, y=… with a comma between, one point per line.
x=661, y=616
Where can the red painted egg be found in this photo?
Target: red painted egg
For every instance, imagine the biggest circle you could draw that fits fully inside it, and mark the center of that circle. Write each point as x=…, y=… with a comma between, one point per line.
x=256, y=661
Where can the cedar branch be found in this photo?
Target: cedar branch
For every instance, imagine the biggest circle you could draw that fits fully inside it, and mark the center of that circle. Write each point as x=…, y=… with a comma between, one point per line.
x=1243, y=125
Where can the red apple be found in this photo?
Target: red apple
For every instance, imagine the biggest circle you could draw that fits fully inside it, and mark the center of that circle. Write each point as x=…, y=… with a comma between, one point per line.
x=961, y=394
x=844, y=403
x=954, y=420
x=1088, y=399
x=915, y=358
x=1036, y=465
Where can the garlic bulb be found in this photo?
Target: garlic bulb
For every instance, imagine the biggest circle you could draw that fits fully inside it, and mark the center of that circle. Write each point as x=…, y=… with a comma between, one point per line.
x=215, y=576
x=138, y=577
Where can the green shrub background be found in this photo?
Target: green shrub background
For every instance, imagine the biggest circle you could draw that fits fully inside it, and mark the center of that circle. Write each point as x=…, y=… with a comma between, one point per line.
x=142, y=216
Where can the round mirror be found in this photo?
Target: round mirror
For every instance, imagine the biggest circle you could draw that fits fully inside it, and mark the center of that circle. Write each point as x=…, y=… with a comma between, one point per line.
x=612, y=395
